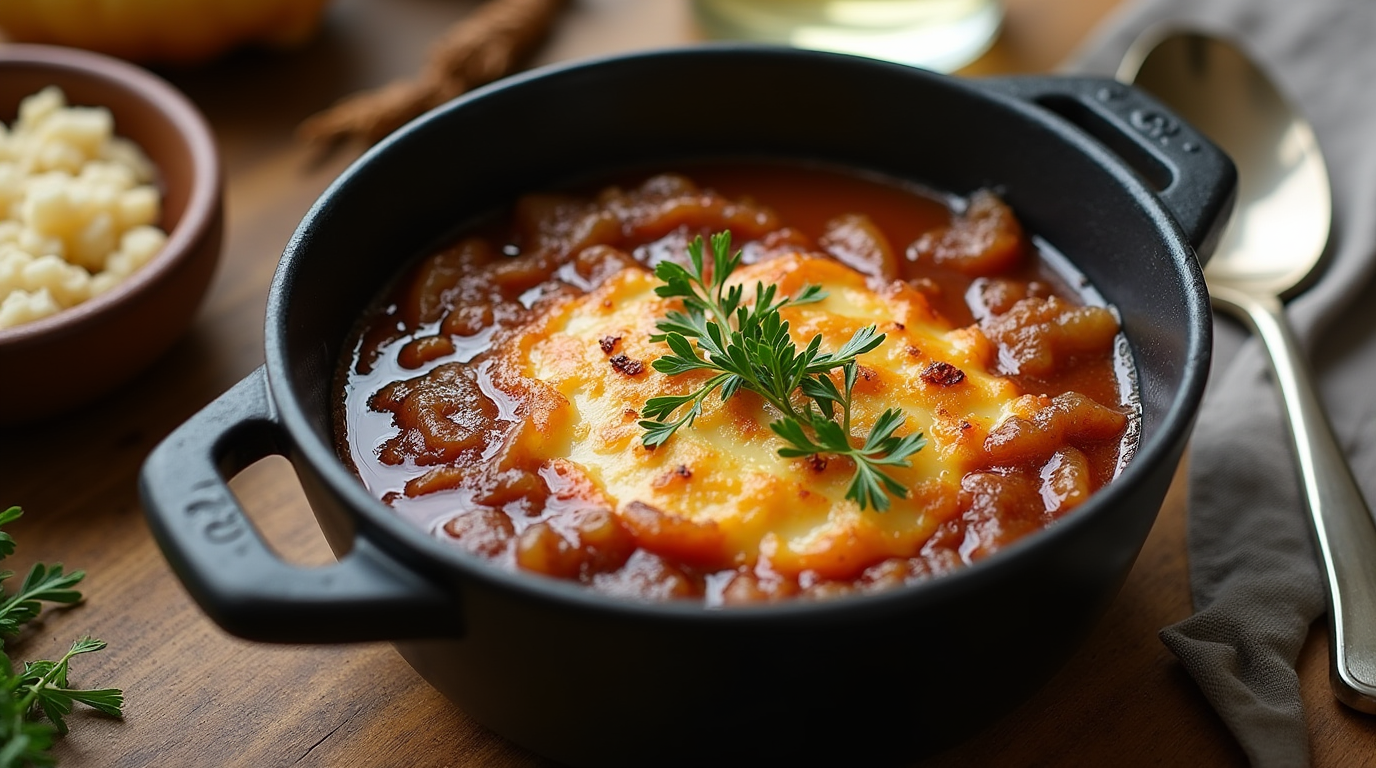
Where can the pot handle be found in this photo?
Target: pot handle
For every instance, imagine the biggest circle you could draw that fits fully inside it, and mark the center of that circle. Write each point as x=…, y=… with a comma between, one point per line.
x=233, y=575
x=1195, y=179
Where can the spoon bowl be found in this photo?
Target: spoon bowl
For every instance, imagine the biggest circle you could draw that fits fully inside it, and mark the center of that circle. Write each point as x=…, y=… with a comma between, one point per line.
x=1272, y=249
x=1275, y=241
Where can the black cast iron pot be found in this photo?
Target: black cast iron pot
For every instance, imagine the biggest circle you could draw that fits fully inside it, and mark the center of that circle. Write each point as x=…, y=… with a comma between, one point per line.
x=586, y=679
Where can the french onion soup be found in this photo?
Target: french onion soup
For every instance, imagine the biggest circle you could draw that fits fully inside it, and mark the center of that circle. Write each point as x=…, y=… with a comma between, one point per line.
x=737, y=383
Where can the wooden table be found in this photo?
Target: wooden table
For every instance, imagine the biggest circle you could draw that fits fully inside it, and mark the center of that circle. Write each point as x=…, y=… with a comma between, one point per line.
x=197, y=697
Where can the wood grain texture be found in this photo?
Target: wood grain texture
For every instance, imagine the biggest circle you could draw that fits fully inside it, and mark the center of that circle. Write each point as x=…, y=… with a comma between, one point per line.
x=197, y=697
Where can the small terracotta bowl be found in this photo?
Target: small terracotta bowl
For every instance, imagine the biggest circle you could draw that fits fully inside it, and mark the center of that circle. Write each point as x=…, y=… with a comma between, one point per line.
x=68, y=359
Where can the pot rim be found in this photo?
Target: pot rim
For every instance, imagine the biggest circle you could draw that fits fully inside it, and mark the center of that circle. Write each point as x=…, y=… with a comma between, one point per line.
x=427, y=555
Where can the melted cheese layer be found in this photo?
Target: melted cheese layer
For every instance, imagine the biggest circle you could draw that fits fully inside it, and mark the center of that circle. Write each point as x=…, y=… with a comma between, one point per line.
x=717, y=493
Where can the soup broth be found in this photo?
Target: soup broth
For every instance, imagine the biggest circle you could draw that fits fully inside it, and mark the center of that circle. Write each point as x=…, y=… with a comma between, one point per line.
x=497, y=395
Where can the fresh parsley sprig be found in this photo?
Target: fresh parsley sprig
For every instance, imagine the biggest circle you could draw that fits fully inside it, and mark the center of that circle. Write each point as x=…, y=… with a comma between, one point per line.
x=43, y=583
x=44, y=685
x=41, y=687
x=748, y=346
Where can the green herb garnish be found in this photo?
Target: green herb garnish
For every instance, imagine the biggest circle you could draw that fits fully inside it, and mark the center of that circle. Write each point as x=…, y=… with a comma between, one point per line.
x=40, y=689
x=748, y=347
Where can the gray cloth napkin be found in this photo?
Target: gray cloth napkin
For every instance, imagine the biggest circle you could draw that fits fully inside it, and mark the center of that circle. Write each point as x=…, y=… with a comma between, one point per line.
x=1254, y=573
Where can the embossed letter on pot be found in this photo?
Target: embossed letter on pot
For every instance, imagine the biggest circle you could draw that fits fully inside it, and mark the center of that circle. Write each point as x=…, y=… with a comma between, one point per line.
x=718, y=418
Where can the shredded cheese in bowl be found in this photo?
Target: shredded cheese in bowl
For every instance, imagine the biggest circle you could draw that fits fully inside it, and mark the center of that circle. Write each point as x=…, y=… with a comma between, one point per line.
x=78, y=207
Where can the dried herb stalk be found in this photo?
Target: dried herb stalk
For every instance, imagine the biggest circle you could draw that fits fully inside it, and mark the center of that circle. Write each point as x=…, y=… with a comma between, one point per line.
x=487, y=45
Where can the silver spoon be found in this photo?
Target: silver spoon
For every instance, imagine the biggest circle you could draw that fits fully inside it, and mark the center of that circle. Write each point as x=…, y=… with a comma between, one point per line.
x=1270, y=250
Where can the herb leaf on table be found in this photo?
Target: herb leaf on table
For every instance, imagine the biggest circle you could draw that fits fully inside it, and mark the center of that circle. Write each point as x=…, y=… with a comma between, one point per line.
x=40, y=690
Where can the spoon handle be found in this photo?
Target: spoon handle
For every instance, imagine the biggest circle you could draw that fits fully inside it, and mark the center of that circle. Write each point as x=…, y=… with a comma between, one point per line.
x=1342, y=521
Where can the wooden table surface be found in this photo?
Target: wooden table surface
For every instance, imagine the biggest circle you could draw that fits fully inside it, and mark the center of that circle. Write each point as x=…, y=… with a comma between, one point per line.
x=198, y=697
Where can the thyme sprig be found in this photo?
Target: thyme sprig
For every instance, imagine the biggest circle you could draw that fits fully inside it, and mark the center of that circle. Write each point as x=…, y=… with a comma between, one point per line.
x=40, y=690
x=748, y=346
